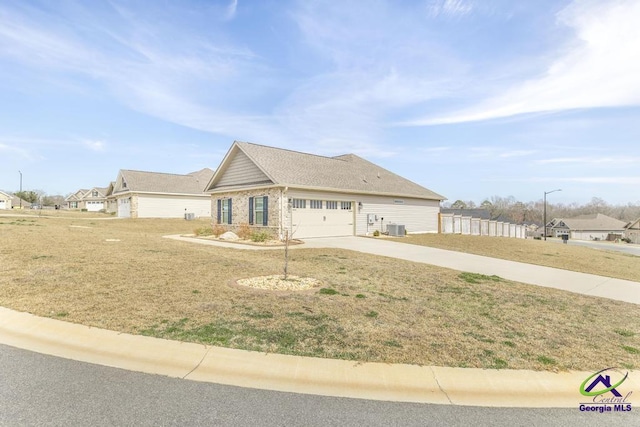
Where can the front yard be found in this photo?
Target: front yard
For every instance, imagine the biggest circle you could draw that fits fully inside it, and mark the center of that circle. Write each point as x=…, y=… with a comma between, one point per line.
x=122, y=275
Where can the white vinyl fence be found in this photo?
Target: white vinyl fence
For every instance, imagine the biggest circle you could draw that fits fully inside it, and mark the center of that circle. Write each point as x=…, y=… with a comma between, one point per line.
x=458, y=224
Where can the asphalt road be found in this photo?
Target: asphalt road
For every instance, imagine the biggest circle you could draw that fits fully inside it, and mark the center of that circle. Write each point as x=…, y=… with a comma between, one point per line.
x=40, y=390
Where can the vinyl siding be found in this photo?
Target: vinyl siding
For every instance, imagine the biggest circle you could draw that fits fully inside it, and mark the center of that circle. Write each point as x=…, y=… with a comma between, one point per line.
x=157, y=206
x=418, y=216
x=242, y=171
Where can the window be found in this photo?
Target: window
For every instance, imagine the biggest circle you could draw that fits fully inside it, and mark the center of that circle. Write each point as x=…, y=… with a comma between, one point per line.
x=224, y=211
x=73, y=205
x=315, y=204
x=345, y=206
x=94, y=194
x=299, y=204
x=258, y=210
x=332, y=204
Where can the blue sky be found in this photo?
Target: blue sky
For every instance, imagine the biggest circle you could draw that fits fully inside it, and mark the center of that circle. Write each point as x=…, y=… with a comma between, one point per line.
x=470, y=98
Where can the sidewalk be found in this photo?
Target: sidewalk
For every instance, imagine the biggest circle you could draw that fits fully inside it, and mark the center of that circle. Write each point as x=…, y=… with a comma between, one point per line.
x=328, y=377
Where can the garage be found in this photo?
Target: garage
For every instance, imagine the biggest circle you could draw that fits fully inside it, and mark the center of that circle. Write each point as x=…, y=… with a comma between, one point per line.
x=321, y=218
x=3, y=204
x=124, y=208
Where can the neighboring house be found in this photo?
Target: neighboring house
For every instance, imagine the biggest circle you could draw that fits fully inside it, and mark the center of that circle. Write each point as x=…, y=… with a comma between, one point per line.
x=139, y=194
x=632, y=231
x=74, y=201
x=5, y=200
x=111, y=205
x=92, y=200
x=587, y=227
x=11, y=201
x=316, y=196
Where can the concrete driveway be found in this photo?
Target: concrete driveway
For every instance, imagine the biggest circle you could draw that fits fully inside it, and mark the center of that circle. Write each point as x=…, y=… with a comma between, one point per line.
x=587, y=284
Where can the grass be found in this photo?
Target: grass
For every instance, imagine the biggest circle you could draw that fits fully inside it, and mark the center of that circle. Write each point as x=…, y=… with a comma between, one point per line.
x=122, y=275
x=575, y=258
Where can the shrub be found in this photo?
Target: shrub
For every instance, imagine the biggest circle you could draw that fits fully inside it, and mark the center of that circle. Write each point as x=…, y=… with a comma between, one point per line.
x=259, y=236
x=376, y=233
x=244, y=231
x=217, y=230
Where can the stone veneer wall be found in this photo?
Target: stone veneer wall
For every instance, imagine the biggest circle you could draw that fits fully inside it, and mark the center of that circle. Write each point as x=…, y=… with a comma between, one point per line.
x=240, y=209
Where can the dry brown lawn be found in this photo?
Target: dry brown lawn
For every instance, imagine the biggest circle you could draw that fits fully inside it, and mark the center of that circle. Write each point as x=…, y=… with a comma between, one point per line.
x=539, y=252
x=122, y=275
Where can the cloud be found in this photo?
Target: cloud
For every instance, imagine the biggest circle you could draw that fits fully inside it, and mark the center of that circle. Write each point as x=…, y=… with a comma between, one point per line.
x=15, y=150
x=594, y=161
x=231, y=10
x=449, y=8
x=94, y=145
x=598, y=68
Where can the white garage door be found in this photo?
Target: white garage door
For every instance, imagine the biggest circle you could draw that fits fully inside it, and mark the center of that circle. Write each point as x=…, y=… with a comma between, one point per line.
x=124, y=208
x=321, y=218
x=3, y=204
x=94, y=206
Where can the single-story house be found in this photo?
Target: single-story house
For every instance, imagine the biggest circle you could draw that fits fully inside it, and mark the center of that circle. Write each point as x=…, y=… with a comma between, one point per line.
x=587, y=227
x=139, y=194
x=11, y=201
x=307, y=195
x=632, y=231
x=5, y=200
x=92, y=200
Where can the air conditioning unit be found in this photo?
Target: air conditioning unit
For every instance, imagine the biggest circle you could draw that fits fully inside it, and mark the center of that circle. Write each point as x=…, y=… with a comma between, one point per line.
x=396, y=230
x=189, y=216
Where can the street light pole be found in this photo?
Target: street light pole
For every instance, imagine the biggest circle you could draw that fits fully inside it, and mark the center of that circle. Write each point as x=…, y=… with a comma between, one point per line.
x=20, y=189
x=544, y=216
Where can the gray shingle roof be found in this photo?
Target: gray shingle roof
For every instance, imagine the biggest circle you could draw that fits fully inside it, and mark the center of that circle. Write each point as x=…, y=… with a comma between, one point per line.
x=156, y=182
x=594, y=222
x=342, y=173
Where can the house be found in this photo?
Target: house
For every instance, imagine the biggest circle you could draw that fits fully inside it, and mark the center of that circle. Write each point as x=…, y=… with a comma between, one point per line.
x=632, y=231
x=5, y=200
x=11, y=201
x=139, y=194
x=307, y=195
x=587, y=227
x=92, y=200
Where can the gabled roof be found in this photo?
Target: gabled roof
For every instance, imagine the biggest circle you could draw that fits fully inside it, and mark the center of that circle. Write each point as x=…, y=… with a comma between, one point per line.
x=633, y=225
x=77, y=196
x=347, y=173
x=593, y=222
x=156, y=182
x=88, y=195
x=6, y=195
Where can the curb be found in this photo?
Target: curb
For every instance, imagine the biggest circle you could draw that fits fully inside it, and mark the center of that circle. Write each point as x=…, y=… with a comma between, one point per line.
x=327, y=377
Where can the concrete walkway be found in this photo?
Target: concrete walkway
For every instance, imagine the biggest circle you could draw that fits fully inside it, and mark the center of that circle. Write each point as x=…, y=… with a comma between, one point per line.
x=328, y=377
x=581, y=283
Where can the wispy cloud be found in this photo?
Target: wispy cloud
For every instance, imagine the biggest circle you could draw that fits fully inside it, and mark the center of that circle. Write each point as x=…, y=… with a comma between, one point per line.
x=593, y=160
x=94, y=145
x=231, y=10
x=449, y=7
x=623, y=180
x=598, y=68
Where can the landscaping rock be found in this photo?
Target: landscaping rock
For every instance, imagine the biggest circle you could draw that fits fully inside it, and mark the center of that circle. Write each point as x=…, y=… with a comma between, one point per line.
x=229, y=235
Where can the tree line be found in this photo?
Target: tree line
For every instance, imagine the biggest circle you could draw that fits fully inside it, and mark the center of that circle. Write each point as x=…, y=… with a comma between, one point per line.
x=510, y=209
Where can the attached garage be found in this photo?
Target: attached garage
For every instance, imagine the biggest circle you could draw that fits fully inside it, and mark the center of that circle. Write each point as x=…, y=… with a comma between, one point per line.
x=3, y=204
x=321, y=218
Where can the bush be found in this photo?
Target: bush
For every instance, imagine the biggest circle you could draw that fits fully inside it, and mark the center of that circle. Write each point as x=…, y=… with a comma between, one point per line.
x=259, y=236
x=376, y=233
x=217, y=230
x=244, y=231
